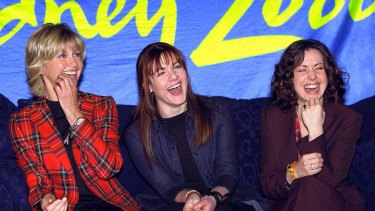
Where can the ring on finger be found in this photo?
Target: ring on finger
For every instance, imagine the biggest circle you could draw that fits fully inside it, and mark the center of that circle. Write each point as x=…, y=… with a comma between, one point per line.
x=313, y=166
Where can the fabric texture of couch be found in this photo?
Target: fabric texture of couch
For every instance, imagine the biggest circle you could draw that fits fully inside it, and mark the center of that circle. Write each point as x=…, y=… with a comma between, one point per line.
x=14, y=191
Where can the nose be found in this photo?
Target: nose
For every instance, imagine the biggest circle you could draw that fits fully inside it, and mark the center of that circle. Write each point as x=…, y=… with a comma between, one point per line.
x=173, y=75
x=72, y=61
x=312, y=73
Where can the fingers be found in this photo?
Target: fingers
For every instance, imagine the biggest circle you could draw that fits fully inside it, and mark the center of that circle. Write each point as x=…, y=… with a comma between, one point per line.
x=206, y=203
x=313, y=116
x=64, y=82
x=58, y=205
x=310, y=164
x=66, y=91
x=313, y=102
x=47, y=200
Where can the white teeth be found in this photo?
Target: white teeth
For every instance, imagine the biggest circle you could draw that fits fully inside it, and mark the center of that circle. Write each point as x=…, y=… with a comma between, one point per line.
x=173, y=87
x=311, y=86
x=70, y=72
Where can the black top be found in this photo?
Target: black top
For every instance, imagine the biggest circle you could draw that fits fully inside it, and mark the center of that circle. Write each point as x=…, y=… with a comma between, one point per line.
x=176, y=127
x=87, y=199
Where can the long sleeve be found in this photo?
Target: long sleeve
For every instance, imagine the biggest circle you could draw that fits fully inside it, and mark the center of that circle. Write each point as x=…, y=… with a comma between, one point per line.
x=37, y=178
x=98, y=138
x=272, y=174
x=157, y=176
x=337, y=145
x=226, y=155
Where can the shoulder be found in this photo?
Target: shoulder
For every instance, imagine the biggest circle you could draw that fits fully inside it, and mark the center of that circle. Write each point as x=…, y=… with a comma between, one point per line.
x=274, y=111
x=134, y=125
x=133, y=129
x=89, y=98
x=31, y=107
x=216, y=103
x=342, y=112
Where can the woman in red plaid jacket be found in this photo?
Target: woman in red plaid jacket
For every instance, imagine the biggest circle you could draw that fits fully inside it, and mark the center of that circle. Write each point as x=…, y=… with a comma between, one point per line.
x=66, y=141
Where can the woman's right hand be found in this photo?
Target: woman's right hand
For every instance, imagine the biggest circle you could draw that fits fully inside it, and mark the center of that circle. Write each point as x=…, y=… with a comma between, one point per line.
x=66, y=91
x=49, y=203
x=309, y=164
x=191, y=200
x=313, y=116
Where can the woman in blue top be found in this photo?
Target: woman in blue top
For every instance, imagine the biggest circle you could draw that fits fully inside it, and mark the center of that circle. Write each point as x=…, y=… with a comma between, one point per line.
x=182, y=144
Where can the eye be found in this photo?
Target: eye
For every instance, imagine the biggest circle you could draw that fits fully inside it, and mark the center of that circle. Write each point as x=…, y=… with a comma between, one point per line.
x=61, y=55
x=300, y=69
x=177, y=66
x=77, y=54
x=160, y=72
x=320, y=68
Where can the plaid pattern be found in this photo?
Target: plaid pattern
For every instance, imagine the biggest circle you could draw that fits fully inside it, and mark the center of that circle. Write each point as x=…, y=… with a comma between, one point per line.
x=298, y=128
x=42, y=156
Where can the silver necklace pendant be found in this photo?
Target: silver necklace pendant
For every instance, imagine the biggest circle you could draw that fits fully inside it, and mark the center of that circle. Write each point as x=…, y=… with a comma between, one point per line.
x=66, y=140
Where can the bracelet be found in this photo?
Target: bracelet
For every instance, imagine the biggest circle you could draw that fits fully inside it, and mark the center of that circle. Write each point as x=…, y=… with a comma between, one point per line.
x=190, y=192
x=291, y=167
x=77, y=123
x=217, y=196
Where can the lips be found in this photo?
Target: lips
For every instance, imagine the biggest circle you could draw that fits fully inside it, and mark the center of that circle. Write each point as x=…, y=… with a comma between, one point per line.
x=175, y=89
x=177, y=86
x=311, y=88
x=70, y=73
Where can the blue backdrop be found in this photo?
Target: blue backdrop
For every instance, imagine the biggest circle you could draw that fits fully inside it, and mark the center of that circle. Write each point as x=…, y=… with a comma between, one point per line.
x=230, y=46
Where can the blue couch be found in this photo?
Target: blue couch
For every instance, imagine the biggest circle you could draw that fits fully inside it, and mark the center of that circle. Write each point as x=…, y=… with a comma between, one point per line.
x=14, y=192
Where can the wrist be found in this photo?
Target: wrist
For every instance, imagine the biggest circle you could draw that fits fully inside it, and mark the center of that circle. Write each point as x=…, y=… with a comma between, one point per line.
x=314, y=134
x=77, y=122
x=192, y=192
x=217, y=196
x=291, y=168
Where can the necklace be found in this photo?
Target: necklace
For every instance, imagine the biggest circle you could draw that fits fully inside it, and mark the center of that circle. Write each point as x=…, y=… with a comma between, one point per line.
x=66, y=140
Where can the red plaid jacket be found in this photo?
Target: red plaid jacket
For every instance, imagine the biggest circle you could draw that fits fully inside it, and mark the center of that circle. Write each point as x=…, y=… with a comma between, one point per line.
x=42, y=156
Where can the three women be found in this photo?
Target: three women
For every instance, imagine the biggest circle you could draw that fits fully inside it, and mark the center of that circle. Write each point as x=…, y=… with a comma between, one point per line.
x=183, y=144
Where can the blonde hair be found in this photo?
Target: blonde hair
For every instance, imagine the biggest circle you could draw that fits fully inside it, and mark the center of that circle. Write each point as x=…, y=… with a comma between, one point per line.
x=43, y=44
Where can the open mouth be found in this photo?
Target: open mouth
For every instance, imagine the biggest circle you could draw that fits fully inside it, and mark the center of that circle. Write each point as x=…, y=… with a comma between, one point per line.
x=175, y=89
x=311, y=88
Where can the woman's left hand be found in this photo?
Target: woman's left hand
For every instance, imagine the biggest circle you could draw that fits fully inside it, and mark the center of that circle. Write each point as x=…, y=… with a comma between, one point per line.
x=66, y=90
x=313, y=117
x=309, y=164
x=207, y=203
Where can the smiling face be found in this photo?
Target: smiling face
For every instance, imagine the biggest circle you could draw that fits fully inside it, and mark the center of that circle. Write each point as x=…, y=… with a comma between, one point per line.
x=66, y=61
x=169, y=85
x=310, y=79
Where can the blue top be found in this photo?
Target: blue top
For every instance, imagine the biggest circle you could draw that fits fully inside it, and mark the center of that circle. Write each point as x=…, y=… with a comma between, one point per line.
x=217, y=161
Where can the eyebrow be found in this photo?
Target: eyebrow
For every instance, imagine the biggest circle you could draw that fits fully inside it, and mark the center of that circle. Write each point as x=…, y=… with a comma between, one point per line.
x=321, y=63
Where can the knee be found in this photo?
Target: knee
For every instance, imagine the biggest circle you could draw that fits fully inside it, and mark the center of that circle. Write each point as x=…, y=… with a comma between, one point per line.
x=310, y=185
x=309, y=182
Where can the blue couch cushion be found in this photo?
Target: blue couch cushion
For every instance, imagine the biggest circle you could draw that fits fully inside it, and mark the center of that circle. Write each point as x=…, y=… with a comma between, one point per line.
x=6, y=108
x=247, y=116
x=128, y=176
x=13, y=188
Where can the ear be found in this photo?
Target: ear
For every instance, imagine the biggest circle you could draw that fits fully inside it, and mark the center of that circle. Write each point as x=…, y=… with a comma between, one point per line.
x=42, y=70
x=150, y=87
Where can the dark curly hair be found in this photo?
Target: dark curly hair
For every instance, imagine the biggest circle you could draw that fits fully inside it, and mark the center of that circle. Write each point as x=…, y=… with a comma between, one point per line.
x=282, y=91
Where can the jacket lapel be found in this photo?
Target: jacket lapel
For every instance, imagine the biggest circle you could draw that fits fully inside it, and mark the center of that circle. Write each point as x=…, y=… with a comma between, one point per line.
x=290, y=132
x=329, y=113
x=41, y=116
x=86, y=105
